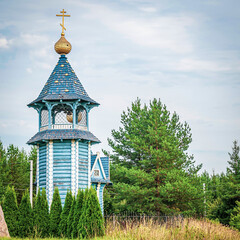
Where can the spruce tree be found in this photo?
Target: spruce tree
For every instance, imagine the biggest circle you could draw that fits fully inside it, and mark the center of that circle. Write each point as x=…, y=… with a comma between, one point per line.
x=65, y=214
x=10, y=210
x=91, y=222
x=41, y=214
x=25, y=220
x=71, y=218
x=77, y=212
x=55, y=213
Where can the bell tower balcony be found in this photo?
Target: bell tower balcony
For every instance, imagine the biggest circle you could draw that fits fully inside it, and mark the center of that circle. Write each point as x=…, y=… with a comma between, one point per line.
x=63, y=116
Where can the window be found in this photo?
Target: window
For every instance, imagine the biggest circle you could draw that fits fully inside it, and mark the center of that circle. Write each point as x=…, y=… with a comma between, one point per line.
x=96, y=173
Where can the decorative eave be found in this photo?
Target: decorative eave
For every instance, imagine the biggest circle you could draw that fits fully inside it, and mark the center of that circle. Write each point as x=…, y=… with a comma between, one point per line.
x=63, y=134
x=100, y=180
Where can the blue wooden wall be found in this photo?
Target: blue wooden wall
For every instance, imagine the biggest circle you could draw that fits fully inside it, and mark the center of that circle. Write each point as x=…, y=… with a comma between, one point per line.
x=42, y=165
x=83, y=165
x=101, y=196
x=62, y=167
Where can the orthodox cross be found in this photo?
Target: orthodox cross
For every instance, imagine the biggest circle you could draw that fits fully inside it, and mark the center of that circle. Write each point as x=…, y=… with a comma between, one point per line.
x=62, y=24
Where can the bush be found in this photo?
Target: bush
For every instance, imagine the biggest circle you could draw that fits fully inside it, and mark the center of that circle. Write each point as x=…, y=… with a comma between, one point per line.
x=77, y=212
x=71, y=218
x=64, y=214
x=235, y=217
x=10, y=210
x=25, y=220
x=55, y=213
x=91, y=222
x=41, y=214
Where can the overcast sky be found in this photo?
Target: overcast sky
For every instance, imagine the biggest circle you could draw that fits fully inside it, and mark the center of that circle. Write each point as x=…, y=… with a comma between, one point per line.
x=184, y=52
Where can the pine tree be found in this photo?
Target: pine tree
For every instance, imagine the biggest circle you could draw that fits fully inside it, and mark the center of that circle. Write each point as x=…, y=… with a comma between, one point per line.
x=150, y=160
x=77, y=212
x=234, y=163
x=41, y=214
x=10, y=210
x=25, y=220
x=235, y=217
x=55, y=213
x=65, y=213
x=91, y=222
x=71, y=218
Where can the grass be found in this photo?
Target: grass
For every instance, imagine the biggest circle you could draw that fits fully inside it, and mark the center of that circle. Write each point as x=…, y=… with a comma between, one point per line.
x=187, y=229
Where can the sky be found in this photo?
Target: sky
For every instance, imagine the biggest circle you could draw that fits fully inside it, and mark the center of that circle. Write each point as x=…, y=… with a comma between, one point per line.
x=185, y=53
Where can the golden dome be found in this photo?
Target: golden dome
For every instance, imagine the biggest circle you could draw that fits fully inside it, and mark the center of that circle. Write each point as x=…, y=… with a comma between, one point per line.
x=62, y=46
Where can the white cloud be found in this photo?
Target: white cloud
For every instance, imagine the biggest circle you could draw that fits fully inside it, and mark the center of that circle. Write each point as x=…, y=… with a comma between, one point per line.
x=29, y=70
x=165, y=32
x=33, y=39
x=4, y=43
x=188, y=65
x=148, y=9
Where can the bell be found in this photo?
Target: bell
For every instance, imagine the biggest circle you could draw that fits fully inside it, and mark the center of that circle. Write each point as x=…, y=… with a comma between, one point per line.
x=70, y=117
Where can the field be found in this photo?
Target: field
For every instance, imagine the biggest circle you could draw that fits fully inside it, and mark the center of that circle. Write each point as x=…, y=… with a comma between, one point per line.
x=174, y=230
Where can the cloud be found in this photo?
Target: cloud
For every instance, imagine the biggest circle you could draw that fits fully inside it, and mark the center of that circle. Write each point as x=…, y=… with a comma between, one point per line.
x=4, y=43
x=29, y=70
x=189, y=64
x=148, y=9
x=165, y=32
x=33, y=39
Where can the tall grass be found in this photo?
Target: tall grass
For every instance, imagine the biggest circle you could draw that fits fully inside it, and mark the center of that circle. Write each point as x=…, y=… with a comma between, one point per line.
x=174, y=229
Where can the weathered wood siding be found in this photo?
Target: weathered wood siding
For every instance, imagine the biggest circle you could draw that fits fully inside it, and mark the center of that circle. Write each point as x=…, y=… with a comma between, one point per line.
x=82, y=165
x=62, y=167
x=42, y=161
x=101, y=196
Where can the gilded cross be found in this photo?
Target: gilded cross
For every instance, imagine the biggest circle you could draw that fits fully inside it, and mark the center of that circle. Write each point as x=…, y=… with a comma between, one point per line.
x=62, y=24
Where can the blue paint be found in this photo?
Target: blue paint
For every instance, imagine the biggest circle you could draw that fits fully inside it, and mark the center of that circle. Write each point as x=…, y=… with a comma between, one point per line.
x=62, y=166
x=83, y=165
x=42, y=165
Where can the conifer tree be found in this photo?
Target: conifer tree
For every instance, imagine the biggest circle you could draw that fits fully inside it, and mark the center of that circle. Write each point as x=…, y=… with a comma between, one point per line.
x=234, y=163
x=55, y=213
x=71, y=218
x=91, y=222
x=65, y=214
x=41, y=214
x=235, y=217
x=25, y=220
x=149, y=161
x=10, y=210
x=77, y=212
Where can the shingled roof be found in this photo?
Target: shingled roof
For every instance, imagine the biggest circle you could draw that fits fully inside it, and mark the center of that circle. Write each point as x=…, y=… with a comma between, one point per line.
x=63, y=134
x=63, y=84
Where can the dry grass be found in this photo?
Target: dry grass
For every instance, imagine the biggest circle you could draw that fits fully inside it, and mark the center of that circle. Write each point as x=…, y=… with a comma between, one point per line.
x=187, y=229
x=177, y=230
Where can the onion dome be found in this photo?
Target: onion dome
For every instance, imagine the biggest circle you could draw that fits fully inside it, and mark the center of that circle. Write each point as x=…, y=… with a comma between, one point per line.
x=62, y=46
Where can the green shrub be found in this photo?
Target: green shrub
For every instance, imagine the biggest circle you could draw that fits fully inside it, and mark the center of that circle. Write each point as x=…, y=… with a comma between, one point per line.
x=41, y=214
x=10, y=210
x=71, y=218
x=91, y=222
x=235, y=217
x=77, y=212
x=64, y=214
x=25, y=220
x=55, y=213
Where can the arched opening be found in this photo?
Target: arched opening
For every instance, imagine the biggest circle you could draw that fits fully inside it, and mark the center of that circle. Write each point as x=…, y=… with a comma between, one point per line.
x=81, y=117
x=62, y=116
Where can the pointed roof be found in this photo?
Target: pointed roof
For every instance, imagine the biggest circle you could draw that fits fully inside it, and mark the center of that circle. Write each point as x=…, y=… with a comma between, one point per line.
x=63, y=84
